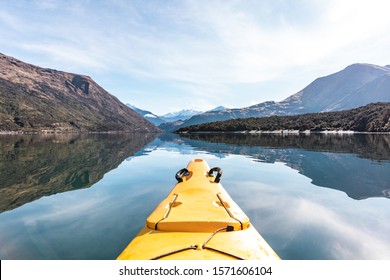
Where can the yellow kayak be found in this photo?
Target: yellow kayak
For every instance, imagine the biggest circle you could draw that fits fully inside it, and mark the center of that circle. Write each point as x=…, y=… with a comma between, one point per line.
x=198, y=220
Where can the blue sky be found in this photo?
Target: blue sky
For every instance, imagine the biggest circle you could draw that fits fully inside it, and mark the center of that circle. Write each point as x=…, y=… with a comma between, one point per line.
x=165, y=56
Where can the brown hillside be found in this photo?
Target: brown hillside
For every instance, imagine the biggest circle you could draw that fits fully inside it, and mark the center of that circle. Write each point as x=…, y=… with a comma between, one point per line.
x=35, y=99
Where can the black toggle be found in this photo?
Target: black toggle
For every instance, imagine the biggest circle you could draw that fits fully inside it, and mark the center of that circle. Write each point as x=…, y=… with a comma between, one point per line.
x=182, y=172
x=219, y=173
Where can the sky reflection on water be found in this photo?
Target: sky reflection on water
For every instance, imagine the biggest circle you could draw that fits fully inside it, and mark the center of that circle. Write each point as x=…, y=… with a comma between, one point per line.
x=299, y=219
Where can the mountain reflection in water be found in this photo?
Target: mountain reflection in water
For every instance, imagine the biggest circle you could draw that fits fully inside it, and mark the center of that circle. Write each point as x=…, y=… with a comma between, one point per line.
x=107, y=185
x=33, y=166
x=356, y=164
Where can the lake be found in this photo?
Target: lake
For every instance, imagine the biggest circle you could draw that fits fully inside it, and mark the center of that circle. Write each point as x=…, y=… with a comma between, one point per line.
x=319, y=196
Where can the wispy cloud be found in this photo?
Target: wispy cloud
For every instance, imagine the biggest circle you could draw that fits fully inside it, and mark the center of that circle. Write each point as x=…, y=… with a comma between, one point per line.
x=206, y=48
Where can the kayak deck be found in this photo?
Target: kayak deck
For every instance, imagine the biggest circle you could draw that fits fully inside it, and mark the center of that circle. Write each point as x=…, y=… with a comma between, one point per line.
x=235, y=245
x=198, y=220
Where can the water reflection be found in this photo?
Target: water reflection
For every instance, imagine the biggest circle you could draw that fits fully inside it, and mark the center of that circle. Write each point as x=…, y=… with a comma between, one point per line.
x=354, y=164
x=371, y=146
x=298, y=219
x=33, y=166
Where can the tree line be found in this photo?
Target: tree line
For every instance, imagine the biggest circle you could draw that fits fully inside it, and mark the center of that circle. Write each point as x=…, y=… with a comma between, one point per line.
x=373, y=117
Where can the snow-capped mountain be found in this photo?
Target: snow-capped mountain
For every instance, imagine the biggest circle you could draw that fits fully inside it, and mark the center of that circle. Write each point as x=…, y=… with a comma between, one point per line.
x=180, y=115
x=153, y=118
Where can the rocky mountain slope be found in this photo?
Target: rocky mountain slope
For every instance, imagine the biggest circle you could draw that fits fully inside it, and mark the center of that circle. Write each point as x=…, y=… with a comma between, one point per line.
x=354, y=86
x=35, y=99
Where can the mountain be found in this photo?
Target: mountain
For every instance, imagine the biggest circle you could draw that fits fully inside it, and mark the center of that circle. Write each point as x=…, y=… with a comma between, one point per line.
x=180, y=115
x=169, y=119
x=35, y=99
x=170, y=126
x=219, y=108
x=370, y=118
x=347, y=89
x=178, y=119
x=354, y=86
x=156, y=120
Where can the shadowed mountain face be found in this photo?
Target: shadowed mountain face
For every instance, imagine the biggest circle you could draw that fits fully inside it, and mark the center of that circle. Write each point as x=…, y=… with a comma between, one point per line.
x=35, y=99
x=33, y=166
x=349, y=163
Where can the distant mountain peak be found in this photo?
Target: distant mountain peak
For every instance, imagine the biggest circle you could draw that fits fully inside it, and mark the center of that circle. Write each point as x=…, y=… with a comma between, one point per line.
x=219, y=108
x=153, y=118
x=366, y=67
x=184, y=112
x=180, y=115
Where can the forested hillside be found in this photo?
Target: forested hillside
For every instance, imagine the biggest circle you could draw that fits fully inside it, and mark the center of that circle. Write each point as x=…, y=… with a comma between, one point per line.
x=370, y=118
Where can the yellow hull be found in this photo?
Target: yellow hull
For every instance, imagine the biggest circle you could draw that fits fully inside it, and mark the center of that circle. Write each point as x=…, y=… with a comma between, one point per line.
x=198, y=220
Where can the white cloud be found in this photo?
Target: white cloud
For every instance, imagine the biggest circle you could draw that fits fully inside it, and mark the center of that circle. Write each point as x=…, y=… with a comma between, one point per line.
x=67, y=55
x=12, y=22
x=208, y=48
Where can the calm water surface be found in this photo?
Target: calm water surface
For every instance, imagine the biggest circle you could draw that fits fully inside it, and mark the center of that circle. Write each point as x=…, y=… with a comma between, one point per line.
x=87, y=196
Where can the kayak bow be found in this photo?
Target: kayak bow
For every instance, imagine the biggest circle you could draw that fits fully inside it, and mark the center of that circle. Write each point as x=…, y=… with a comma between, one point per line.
x=198, y=220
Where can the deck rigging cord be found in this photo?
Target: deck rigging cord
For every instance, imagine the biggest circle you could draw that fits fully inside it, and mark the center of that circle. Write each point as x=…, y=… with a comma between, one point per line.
x=203, y=246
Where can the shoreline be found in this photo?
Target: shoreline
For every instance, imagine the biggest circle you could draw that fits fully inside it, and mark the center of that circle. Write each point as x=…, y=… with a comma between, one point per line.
x=284, y=132
x=72, y=132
